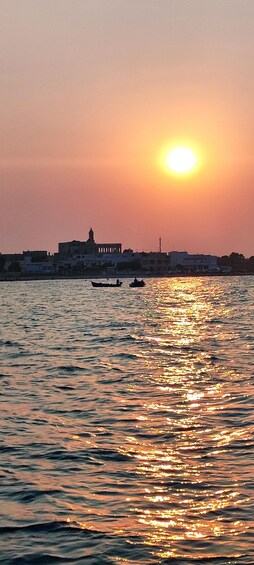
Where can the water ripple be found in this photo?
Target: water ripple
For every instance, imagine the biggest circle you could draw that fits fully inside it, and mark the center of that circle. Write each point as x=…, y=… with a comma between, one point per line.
x=127, y=423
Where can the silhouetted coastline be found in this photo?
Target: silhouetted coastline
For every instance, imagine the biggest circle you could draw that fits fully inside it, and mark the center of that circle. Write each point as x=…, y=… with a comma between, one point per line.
x=85, y=259
x=19, y=277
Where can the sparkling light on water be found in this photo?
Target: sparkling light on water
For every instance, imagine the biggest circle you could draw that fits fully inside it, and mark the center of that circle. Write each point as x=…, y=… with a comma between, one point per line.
x=127, y=421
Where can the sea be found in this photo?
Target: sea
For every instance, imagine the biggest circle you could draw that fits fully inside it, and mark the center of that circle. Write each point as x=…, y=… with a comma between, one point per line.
x=127, y=422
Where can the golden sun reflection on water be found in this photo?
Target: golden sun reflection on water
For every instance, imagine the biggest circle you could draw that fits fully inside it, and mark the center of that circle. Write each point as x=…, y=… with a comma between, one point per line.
x=184, y=361
x=143, y=433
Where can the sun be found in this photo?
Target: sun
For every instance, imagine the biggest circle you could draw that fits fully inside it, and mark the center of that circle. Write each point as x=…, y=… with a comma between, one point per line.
x=181, y=160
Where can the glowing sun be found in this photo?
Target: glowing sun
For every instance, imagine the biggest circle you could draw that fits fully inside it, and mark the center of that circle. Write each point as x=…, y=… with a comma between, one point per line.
x=181, y=160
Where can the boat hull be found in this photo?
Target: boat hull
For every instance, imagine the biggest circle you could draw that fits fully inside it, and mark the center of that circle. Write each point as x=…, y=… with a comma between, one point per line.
x=106, y=285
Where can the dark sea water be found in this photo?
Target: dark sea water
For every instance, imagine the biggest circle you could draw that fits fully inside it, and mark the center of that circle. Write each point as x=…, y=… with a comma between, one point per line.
x=127, y=422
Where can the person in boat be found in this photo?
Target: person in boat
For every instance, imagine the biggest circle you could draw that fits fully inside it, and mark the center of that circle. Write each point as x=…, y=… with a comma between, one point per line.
x=118, y=282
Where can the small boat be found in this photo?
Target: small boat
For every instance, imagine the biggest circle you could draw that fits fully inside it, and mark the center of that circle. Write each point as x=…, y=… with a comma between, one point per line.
x=117, y=284
x=137, y=283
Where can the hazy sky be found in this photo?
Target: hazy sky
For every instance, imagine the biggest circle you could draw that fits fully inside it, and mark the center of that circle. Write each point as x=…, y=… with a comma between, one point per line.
x=93, y=91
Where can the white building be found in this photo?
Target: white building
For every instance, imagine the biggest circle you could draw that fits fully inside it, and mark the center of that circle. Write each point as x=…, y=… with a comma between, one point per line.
x=116, y=259
x=31, y=266
x=78, y=261
x=197, y=263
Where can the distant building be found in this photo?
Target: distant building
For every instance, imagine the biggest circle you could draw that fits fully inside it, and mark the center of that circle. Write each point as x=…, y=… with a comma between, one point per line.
x=77, y=263
x=27, y=262
x=127, y=261
x=33, y=266
x=197, y=263
x=155, y=262
x=74, y=248
x=37, y=255
x=36, y=262
x=11, y=261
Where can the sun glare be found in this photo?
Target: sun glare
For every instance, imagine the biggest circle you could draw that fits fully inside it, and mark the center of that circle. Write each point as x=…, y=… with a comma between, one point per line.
x=181, y=160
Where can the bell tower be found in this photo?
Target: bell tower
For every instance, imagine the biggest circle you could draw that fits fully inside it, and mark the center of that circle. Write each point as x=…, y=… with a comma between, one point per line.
x=91, y=236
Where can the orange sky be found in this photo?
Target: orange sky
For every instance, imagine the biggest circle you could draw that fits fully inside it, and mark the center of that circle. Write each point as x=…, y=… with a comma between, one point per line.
x=93, y=91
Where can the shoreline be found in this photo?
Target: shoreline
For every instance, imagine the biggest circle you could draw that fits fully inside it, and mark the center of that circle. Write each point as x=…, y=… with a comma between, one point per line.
x=40, y=277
